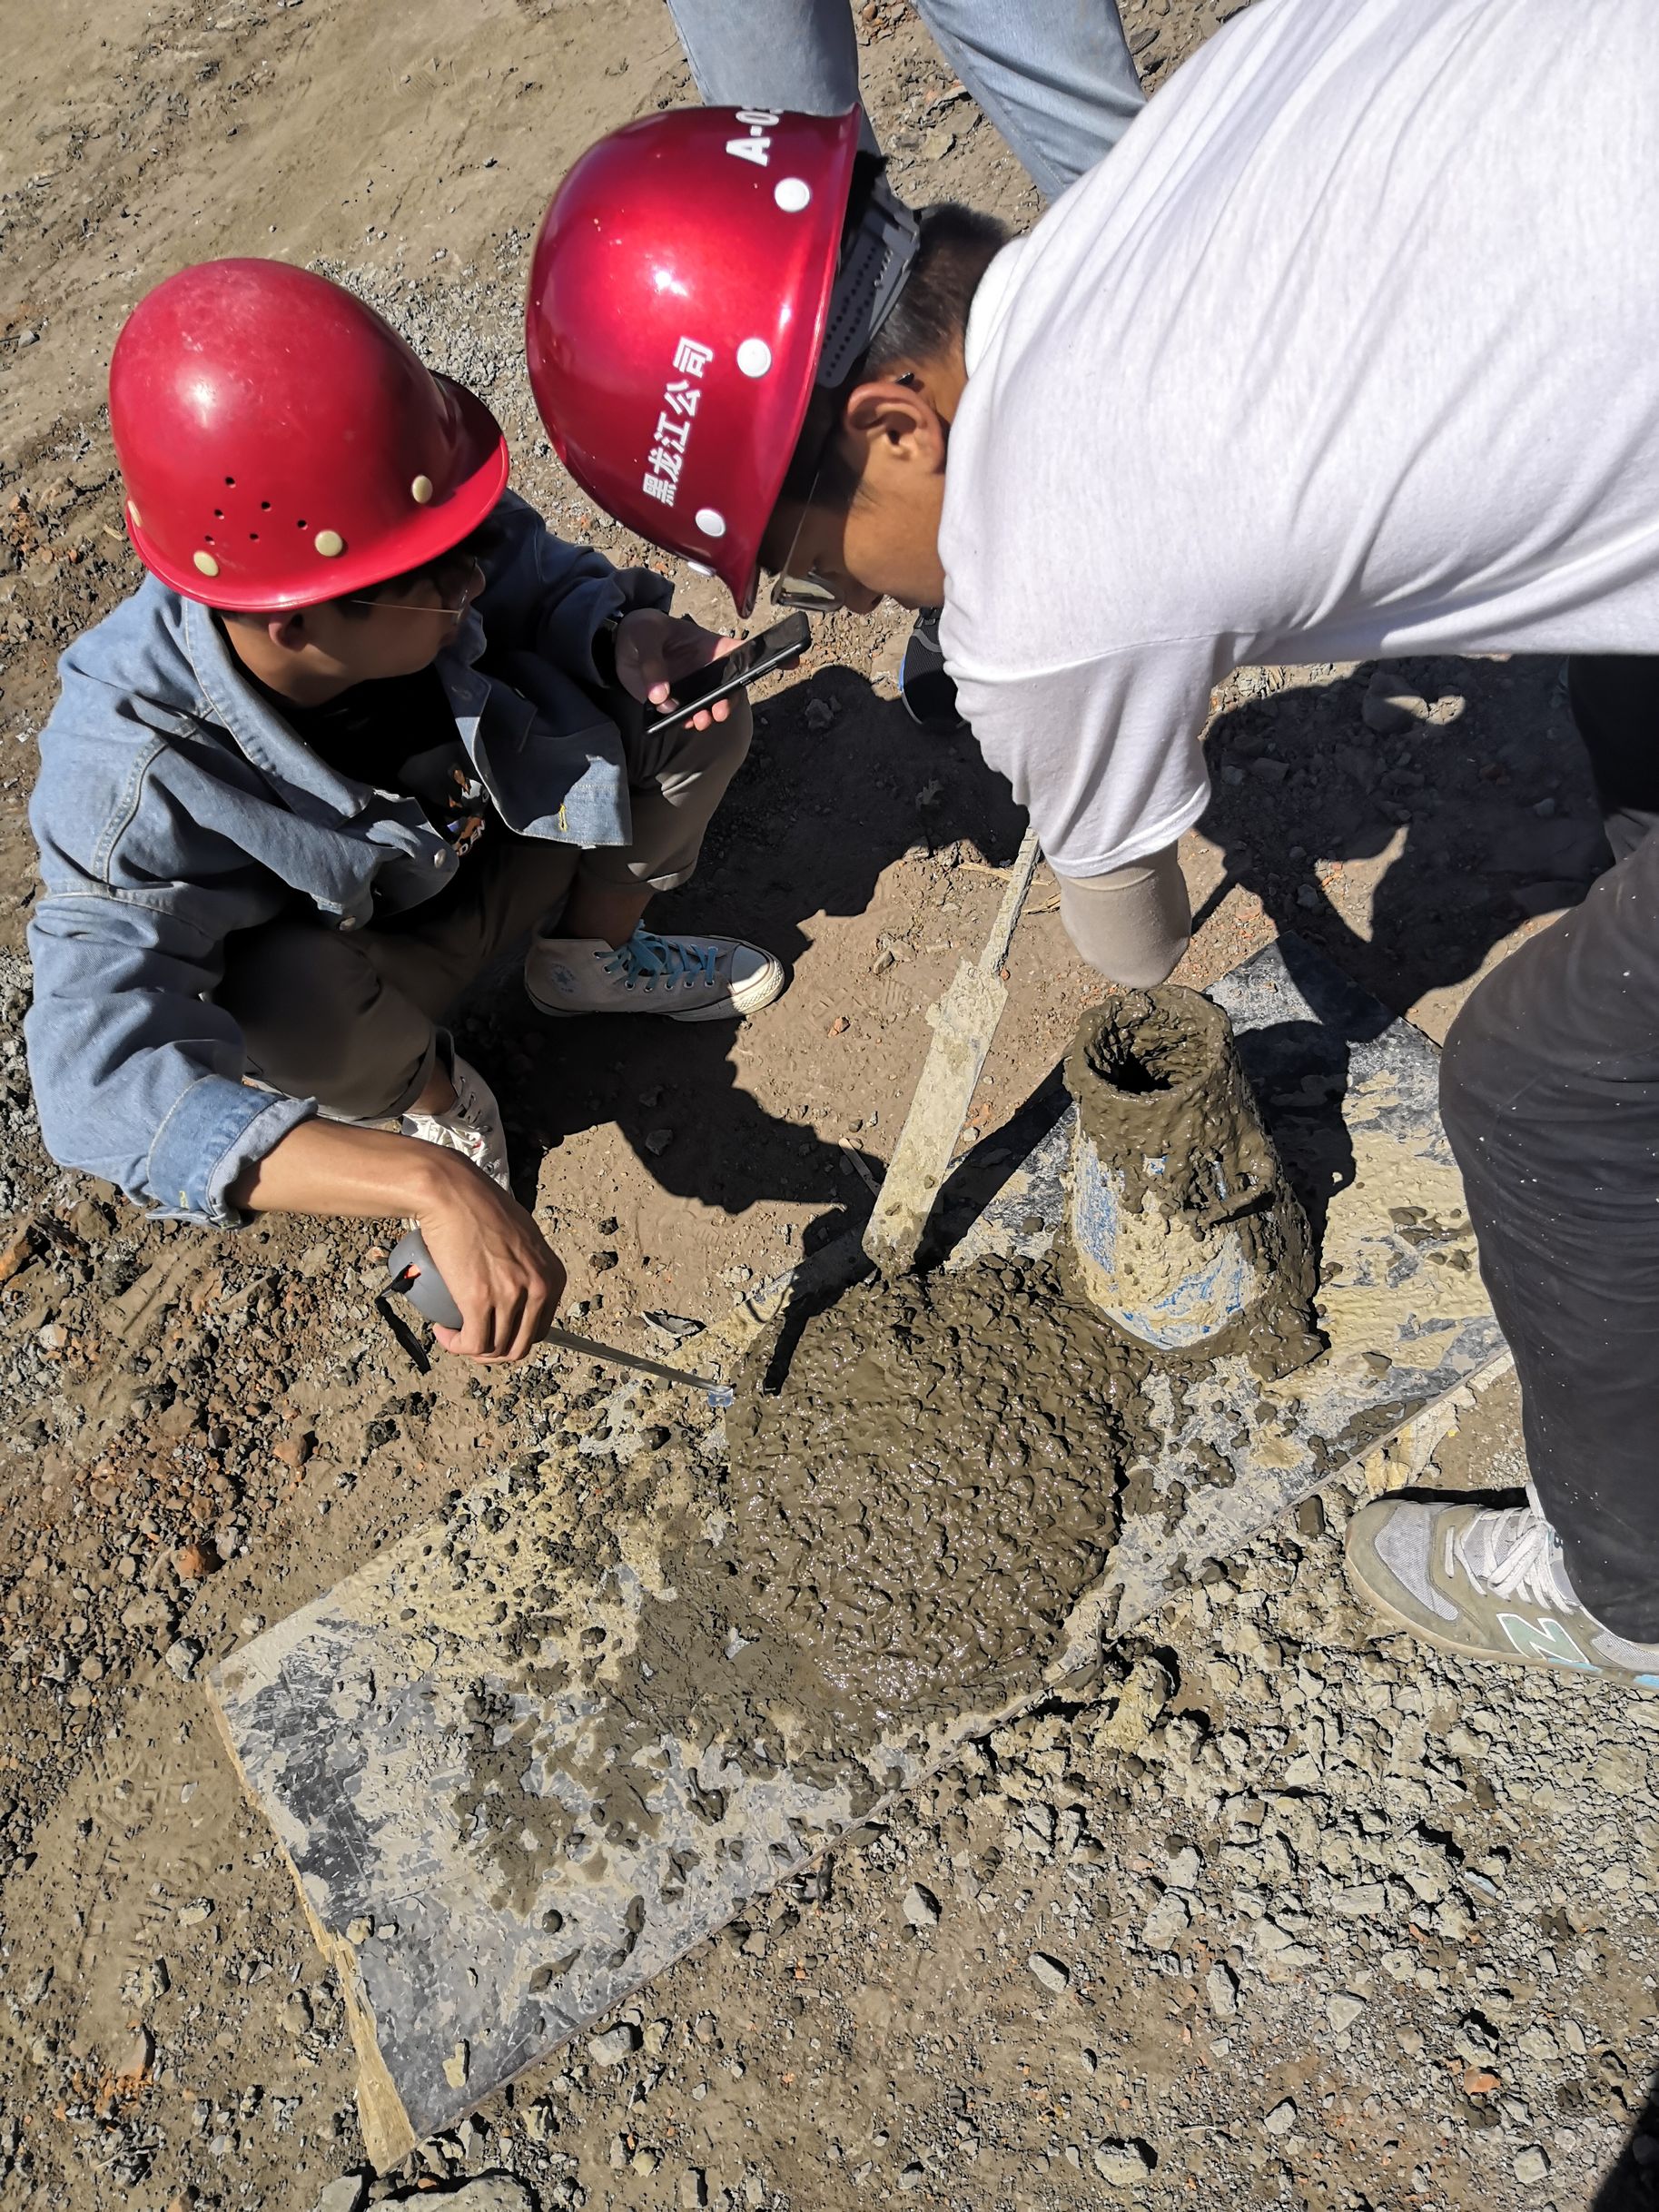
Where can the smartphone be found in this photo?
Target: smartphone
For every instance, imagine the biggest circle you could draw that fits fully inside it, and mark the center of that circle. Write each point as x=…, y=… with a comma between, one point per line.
x=745, y=664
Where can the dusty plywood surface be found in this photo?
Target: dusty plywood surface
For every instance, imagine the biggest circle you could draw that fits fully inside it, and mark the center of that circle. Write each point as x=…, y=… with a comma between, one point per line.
x=468, y=1956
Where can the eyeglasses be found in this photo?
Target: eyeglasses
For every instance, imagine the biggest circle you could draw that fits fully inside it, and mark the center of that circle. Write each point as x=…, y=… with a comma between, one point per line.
x=790, y=587
x=810, y=591
x=476, y=581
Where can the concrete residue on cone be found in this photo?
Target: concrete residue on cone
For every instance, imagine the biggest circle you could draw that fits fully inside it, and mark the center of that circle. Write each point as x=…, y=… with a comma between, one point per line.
x=1185, y=1231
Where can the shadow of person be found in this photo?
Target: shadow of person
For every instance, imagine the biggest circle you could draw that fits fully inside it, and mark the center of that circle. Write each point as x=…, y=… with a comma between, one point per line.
x=838, y=785
x=1481, y=807
x=1632, y=2183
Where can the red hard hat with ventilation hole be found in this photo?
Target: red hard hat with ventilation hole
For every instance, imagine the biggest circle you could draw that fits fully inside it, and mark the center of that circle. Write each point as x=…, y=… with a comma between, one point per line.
x=694, y=281
x=282, y=445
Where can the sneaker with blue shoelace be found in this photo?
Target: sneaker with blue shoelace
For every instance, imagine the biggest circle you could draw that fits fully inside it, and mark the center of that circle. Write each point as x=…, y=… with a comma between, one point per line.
x=1488, y=1583
x=689, y=979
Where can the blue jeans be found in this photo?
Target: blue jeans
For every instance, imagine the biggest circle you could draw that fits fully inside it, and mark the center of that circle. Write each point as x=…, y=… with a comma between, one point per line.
x=1054, y=76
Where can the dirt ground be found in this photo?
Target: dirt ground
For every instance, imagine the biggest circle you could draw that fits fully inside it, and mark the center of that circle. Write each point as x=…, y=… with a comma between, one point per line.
x=1408, y=1962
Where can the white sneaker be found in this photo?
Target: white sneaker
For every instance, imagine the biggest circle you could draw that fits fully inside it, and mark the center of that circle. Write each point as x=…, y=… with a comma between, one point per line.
x=473, y=1126
x=689, y=979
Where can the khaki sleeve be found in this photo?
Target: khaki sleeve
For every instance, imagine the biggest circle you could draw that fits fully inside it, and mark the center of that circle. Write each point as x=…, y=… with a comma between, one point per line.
x=1132, y=923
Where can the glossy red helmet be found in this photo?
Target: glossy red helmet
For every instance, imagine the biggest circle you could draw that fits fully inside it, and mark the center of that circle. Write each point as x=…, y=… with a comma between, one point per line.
x=695, y=282
x=282, y=445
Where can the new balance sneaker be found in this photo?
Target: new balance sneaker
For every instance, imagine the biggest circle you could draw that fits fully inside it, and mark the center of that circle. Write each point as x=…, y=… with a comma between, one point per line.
x=471, y=1126
x=689, y=979
x=1486, y=1582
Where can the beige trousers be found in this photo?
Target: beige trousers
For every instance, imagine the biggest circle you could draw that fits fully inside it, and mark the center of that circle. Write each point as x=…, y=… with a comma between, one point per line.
x=351, y=1018
x=1132, y=923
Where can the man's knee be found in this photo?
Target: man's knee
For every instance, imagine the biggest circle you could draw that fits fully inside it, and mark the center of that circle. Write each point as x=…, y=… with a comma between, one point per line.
x=318, y=1022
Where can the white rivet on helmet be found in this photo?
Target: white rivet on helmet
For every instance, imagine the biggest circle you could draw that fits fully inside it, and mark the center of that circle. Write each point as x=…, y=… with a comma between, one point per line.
x=421, y=491
x=328, y=543
x=755, y=357
x=711, y=522
x=792, y=194
x=206, y=563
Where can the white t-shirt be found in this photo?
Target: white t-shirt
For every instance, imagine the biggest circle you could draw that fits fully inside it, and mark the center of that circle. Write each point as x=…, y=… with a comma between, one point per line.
x=1351, y=350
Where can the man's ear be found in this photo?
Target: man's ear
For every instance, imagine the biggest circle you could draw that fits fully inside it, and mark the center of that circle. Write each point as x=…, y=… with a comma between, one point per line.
x=897, y=426
x=288, y=631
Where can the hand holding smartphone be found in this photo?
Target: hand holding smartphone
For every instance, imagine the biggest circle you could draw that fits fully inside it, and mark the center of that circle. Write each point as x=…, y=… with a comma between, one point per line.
x=746, y=664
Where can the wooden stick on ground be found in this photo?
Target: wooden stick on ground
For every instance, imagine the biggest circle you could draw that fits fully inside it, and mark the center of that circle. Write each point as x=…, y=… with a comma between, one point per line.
x=963, y=1024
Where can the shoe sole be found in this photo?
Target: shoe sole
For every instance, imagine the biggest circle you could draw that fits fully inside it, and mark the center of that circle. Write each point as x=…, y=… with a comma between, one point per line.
x=1445, y=1643
x=727, y=1010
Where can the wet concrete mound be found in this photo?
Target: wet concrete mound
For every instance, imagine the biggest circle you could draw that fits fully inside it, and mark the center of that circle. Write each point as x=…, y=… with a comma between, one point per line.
x=935, y=1484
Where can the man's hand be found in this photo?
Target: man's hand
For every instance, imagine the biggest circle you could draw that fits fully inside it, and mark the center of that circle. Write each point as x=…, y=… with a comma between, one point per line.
x=654, y=648
x=497, y=1266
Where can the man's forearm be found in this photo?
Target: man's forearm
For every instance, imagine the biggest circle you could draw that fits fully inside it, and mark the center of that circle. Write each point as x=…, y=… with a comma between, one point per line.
x=363, y=1174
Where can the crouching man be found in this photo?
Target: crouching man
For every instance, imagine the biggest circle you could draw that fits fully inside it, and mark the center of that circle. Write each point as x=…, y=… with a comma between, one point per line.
x=366, y=726
x=1346, y=352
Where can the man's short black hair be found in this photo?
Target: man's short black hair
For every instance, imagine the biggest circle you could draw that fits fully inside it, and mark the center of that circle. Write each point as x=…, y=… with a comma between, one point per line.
x=957, y=247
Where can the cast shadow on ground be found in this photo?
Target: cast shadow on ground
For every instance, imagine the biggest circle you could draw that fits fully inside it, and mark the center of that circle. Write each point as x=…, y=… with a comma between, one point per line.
x=1632, y=2183
x=1314, y=786
x=812, y=821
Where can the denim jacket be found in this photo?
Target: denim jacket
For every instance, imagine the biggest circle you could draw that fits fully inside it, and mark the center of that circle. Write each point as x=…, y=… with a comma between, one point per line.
x=175, y=806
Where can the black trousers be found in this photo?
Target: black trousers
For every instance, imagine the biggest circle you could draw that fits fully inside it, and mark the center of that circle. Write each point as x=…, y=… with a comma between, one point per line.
x=1549, y=1089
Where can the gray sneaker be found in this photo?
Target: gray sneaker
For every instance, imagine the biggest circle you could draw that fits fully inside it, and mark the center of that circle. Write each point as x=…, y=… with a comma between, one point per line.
x=1488, y=1584
x=689, y=979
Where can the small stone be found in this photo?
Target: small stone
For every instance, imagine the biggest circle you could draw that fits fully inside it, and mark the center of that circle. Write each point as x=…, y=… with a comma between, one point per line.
x=1531, y=2166
x=1391, y=706
x=938, y=143
x=1281, y=2118
x=1050, y=1973
x=1121, y=2166
x=1182, y=1872
x=1168, y=1921
x=184, y=1656
x=296, y=2013
x=358, y=1932
x=293, y=1451
x=659, y=1141
x=135, y=2060
x=614, y=2045
x=921, y=1907
x=195, y=1561
x=839, y=1026
x=1619, y=1769
x=1221, y=1988
x=692, y=2190
x=1343, y=2009
x=1546, y=809
x=345, y=2195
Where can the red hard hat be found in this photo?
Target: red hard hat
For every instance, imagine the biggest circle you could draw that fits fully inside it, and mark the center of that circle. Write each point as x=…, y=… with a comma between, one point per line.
x=679, y=305
x=282, y=445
